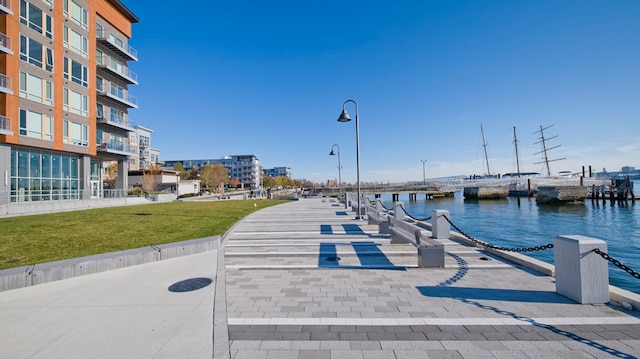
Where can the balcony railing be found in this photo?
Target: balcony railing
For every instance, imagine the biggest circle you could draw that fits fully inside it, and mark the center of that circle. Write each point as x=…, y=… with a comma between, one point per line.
x=116, y=44
x=116, y=146
x=5, y=7
x=117, y=93
x=117, y=68
x=5, y=84
x=118, y=121
x=5, y=44
x=5, y=126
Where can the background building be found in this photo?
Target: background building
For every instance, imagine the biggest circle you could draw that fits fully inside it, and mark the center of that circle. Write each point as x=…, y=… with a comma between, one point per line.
x=278, y=171
x=64, y=97
x=245, y=168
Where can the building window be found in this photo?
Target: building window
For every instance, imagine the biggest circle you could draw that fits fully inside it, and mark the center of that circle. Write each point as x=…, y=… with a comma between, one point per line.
x=36, y=89
x=76, y=42
x=76, y=72
x=34, y=53
x=36, y=125
x=36, y=19
x=76, y=133
x=43, y=176
x=77, y=12
x=75, y=102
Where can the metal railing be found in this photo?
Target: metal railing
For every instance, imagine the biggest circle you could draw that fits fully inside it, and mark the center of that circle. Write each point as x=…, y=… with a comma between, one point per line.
x=117, y=67
x=27, y=196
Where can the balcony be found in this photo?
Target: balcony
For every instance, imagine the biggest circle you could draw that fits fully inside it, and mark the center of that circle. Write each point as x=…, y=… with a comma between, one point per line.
x=5, y=126
x=115, y=67
x=5, y=44
x=117, y=121
x=116, y=147
x=5, y=7
x=119, y=94
x=5, y=84
x=114, y=43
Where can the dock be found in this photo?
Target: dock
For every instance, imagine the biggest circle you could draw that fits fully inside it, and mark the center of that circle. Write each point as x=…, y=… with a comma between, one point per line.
x=307, y=280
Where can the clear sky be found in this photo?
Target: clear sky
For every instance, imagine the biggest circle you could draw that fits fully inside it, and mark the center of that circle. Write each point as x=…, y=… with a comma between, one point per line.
x=269, y=78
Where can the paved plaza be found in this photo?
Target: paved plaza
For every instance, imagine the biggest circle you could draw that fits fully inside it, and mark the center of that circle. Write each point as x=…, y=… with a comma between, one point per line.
x=307, y=280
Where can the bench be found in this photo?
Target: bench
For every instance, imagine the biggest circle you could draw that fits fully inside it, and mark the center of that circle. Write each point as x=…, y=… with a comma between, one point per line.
x=379, y=218
x=430, y=251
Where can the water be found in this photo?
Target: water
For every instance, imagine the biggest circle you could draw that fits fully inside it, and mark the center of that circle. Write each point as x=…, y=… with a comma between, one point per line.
x=508, y=223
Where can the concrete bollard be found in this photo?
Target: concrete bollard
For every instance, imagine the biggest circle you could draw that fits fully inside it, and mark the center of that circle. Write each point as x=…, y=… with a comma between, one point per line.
x=581, y=274
x=347, y=200
x=398, y=212
x=379, y=206
x=440, y=227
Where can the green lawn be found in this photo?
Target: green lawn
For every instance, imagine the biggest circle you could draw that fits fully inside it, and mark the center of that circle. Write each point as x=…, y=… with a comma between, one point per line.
x=50, y=237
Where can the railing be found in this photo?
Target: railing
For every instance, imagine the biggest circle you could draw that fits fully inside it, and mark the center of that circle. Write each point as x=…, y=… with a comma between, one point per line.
x=5, y=82
x=5, y=41
x=5, y=125
x=5, y=6
x=117, y=120
x=115, y=92
x=117, y=146
x=117, y=67
x=27, y=196
x=104, y=34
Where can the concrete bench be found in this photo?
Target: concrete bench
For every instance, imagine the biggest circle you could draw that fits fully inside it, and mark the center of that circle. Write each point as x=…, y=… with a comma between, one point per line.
x=430, y=251
x=379, y=218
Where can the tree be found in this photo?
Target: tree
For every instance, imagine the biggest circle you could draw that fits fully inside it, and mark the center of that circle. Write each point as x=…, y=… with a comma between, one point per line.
x=148, y=181
x=180, y=169
x=234, y=183
x=111, y=175
x=213, y=175
x=268, y=181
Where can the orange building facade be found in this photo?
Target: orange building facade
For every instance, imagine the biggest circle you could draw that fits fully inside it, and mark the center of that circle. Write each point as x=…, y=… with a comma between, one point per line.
x=64, y=98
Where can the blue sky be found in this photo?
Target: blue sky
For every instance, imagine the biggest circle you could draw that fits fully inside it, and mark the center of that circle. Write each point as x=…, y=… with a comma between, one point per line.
x=269, y=78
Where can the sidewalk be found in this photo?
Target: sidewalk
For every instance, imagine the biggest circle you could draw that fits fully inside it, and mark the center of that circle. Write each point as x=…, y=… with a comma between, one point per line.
x=147, y=311
x=307, y=280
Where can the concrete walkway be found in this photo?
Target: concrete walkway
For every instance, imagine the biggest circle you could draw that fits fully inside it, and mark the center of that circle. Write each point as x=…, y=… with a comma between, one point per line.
x=152, y=310
x=306, y=280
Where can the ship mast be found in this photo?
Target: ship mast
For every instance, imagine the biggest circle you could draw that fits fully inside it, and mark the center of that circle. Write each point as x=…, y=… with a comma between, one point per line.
x=484, y=144
x=545, y=149
x=515, y=142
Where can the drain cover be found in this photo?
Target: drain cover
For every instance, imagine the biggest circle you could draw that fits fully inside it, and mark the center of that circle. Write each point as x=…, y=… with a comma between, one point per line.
x=333, y=259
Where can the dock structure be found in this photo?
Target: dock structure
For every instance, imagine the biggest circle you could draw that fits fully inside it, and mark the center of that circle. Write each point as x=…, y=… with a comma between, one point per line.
x=307, y=280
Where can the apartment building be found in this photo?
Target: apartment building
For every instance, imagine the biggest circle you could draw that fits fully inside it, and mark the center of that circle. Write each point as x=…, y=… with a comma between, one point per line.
x=147, y=156
x=245, y=168
x=278, y=172
x=64, y=98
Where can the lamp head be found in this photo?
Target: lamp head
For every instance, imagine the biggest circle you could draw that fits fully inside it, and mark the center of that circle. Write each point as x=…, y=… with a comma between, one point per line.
x=332, y=153
x=344, y=116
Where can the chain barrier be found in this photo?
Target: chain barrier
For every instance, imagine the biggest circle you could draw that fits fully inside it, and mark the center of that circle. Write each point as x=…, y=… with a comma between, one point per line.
x=617, y=263
x=412, y=217
x=487, y=245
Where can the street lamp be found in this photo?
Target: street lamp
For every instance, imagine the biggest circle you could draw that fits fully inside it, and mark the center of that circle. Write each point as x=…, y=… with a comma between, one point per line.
x=332, y=153
x=424, y=178
x=177, y=185
x=344, y=117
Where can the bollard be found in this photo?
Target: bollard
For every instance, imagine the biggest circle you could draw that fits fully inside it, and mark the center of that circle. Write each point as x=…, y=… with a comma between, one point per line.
x=398, y=212
x=581, y=274
x=347, y=200
x=440, y=227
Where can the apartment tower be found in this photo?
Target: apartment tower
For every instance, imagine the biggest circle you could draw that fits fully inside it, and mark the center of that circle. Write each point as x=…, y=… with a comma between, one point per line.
x=64, y=98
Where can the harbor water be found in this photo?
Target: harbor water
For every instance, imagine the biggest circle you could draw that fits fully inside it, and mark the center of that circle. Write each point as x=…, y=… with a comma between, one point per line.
x=521, y=222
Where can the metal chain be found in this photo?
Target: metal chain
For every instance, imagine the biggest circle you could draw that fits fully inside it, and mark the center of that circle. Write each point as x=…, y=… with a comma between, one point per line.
x=617, y=263
x=412, y=217
x=487, y=245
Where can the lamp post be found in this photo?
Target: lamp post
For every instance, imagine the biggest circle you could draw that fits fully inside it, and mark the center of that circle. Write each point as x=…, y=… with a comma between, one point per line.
x=332, y=153
x=177, y=184
x=424, y=178
x=344, y=117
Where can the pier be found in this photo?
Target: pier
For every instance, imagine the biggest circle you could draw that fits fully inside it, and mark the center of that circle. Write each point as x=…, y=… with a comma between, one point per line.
x=306, y=280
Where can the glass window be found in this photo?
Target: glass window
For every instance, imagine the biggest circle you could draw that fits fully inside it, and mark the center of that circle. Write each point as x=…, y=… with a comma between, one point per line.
x=79, y=73
x=34, y=53
x=36, y=19
x=36, y=125
x=76, y=102
x=34, y=164
x=33, y=88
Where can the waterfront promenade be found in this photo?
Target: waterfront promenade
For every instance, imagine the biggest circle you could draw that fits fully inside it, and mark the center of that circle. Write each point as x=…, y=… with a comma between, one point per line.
x=306, y=280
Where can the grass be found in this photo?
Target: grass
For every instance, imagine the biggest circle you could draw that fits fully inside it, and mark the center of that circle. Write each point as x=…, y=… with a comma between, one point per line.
x=50, y=237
